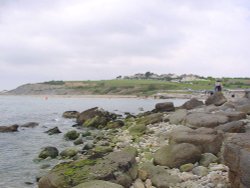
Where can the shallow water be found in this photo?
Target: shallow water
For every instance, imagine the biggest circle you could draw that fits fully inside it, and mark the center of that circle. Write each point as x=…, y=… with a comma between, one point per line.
x=17, y=150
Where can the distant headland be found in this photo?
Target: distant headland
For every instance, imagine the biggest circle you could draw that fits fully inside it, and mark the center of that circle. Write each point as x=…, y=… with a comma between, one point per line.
x=141, y=84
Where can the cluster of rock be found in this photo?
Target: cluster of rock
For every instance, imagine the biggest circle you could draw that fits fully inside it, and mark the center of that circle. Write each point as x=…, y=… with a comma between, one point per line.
x=195, y=145
x=14, y=128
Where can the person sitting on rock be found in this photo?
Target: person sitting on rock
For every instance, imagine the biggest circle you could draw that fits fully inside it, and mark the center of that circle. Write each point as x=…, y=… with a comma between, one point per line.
x=218, y=86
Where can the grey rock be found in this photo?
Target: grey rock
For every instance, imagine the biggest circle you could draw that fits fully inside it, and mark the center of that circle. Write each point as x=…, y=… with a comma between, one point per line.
x=207, y=158
x=48, y=152
x=164, y=107
x=217, y=99
x=209, y=120
x=178, y=116
x=200, y=171
x=30, y=125
x=176, y=155
x=192, y=103
x=232, y=127
x=70, y=114
x=98, y=184
x=53, y=131
x=208, y=140
x=5, y=129
x=236, y=155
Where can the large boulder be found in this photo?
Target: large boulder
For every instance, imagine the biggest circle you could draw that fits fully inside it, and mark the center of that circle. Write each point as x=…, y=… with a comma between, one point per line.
x=95, y=117
x=71, y=114
x=49, y=152
x=233, y=115
x=208, y=120
x=232, y=127
x=236, y=154
x=12, y=128
x=175, y=155
x=178, y=116
x=217, y=99
x=192, y=103
x=208, y=140
x=117, y=167
x=98, y=184
x=164, y=107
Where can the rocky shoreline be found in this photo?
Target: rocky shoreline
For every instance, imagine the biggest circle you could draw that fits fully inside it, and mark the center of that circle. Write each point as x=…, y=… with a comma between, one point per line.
x=198, y=145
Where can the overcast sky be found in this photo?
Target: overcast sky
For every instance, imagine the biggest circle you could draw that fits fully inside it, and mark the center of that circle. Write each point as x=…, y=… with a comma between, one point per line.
x=101, y=39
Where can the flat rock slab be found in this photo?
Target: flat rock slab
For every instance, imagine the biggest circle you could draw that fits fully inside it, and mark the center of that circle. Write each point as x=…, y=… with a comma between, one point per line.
x=208, y=120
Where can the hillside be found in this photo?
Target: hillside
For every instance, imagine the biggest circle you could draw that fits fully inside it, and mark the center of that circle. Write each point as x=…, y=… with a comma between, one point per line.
x=125, y=87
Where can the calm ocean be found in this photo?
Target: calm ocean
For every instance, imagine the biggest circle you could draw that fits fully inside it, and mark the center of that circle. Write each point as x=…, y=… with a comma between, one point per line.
x=18, y=150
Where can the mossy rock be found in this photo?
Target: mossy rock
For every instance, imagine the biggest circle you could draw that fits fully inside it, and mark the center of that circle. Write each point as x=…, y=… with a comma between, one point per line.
x=48, y=152
x=69, y=152
x=96, y=122
x=137, y=130
x=150, y=119
x=113, y=167
x=115, y=124
x=186, y=167
x=71, y=135
x=102, y=150
x=87, y=133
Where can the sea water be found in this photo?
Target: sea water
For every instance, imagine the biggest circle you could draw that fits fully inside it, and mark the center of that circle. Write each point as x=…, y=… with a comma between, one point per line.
x=18, y=150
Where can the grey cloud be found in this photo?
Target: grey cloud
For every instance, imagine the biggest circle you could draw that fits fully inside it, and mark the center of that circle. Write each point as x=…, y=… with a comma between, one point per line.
x=79, y=38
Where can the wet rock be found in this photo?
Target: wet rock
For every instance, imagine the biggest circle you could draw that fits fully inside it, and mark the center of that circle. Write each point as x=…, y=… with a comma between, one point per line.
x=208, y=140
x=12, y=128
x=71, y=135
x=52, y=131
x=236, y=156
x=69, y=152
x=176, y=155
x=232, y=127
x=98, y=184
x=70, y=114
x=208, y=120
x=114, y=167
x=217, y=99
x=48, y=152
x=30, y=125
x=95, y=117
x=191, y=104
x=164, y=107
